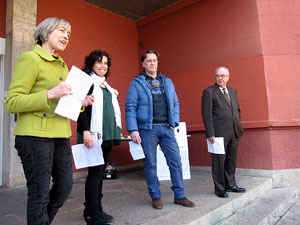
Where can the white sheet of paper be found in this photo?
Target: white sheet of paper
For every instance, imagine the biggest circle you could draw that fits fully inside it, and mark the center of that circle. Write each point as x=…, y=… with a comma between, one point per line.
x=163, y=171
x=181, y=135
x=136, y=150
x=217, y=147
x=69, y=106
x=86, y=157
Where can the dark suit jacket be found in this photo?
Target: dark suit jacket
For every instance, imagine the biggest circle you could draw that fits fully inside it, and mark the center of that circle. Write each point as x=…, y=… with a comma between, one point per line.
x=221, y=120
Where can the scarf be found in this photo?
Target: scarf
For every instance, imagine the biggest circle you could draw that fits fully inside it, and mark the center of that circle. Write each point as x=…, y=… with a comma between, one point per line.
x=97, y=107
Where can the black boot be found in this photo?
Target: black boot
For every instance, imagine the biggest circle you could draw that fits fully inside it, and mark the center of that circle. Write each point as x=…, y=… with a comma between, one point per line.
x=95, y=220
x=86, y=217
x=100, y=217
x=105, y=217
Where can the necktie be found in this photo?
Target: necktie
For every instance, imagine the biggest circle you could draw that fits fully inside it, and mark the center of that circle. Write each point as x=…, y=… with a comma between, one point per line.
x=226, y=96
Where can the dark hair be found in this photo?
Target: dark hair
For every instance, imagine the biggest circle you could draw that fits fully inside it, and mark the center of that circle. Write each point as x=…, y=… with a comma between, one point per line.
x=144, y=56
x=94, y=56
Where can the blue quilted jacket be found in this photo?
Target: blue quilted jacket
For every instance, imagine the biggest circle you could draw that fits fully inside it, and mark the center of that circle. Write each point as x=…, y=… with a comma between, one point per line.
x=139, y=107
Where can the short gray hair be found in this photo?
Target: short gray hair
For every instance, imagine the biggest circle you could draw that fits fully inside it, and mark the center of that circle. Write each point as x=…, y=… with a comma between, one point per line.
x=222, y=68
x=43, y=30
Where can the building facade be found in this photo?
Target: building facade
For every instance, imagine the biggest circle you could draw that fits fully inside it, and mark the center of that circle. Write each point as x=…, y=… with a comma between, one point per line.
x=258, y=40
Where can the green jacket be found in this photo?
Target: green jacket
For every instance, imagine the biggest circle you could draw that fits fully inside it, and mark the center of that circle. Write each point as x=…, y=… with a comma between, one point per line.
x=36, y=72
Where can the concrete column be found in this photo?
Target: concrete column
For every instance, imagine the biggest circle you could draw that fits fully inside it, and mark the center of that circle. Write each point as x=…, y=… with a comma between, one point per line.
x=20, y=24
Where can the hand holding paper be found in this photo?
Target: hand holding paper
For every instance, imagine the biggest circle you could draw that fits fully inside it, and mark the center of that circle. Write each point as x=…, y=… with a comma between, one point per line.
x=217, y=147
x=136, y=150
x=86, y=157
x=69, y=106
x=60, y=90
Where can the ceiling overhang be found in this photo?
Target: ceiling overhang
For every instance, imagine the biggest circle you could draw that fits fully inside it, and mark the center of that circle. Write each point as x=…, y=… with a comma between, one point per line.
x=133, y=9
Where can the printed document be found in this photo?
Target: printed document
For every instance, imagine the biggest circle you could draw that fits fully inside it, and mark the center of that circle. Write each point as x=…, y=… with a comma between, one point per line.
x=217, y=147
x=86, y=157
x=163, y=171
x=70, y=105
x=136, y=150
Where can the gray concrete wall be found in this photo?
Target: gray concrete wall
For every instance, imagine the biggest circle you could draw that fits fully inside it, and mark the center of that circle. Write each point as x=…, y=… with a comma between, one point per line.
x=20, y=24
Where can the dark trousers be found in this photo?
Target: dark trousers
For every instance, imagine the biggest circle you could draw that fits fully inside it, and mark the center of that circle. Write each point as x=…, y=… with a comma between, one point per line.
x=94, y=184
x=224, y=166
x=41, y=159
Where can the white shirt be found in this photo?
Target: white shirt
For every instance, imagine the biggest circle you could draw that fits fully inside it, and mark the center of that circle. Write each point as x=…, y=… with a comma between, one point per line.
x=225, y=90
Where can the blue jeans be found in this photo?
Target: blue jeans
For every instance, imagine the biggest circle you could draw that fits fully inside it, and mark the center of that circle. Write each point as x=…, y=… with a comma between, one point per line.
x=165, y=137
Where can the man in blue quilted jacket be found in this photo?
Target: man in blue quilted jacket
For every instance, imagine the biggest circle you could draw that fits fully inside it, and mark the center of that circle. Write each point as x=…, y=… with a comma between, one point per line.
x=152, y=113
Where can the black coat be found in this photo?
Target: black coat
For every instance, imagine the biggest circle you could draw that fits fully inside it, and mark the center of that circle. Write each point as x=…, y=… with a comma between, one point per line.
x=84, y=119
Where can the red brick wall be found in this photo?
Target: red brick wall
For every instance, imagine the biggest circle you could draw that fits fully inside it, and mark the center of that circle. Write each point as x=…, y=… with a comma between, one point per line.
x=2, y=18
x=95, y=28
x=193, y=42
x=280, y=34
x=259, y=42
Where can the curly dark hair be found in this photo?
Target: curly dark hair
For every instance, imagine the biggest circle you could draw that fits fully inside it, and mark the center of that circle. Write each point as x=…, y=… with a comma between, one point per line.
x=94, y=56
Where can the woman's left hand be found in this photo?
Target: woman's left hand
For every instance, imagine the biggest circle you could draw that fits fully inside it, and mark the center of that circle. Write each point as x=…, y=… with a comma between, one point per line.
x=116, y=92
x=89, y=99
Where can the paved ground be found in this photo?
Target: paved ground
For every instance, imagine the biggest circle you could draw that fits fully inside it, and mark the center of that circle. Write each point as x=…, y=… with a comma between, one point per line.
x=126, y=198
x=292, y=217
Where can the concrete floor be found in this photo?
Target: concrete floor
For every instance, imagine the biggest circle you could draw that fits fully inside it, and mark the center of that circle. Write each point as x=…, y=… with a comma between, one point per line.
x=126, y=198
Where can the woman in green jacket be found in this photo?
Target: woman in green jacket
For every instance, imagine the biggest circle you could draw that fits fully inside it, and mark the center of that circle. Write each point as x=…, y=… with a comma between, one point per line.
x=42, y=137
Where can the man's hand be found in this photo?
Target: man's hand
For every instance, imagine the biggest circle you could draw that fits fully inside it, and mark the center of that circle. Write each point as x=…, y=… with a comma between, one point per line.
x=88, y=139
x=211, y=139
x=135, y=136
x=171, y=127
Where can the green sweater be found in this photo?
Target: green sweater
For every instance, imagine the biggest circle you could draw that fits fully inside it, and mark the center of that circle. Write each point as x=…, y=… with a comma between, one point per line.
x=35, y=73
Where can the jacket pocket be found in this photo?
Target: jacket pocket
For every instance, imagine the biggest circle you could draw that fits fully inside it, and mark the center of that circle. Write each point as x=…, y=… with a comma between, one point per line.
x=43, y=120
x=142, y=113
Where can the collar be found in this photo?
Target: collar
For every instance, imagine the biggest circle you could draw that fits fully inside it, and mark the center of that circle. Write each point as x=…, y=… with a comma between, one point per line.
x=217, y=86
x=224, y=88
x=148, y=77
x=45, y=55
x=96, y=79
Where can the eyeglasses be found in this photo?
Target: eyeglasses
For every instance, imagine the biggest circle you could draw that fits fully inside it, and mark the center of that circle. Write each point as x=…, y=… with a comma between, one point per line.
x=221, y=76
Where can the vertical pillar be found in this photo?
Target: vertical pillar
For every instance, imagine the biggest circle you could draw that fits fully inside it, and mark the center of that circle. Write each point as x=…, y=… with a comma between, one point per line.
x=20, y=24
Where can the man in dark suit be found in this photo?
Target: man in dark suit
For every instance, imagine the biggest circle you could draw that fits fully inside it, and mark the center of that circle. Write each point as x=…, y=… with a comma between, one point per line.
x=221, y=117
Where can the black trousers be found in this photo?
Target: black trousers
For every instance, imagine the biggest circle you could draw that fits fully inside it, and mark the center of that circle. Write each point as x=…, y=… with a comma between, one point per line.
x=224, y=166
x=43, y=158
x=94, y=184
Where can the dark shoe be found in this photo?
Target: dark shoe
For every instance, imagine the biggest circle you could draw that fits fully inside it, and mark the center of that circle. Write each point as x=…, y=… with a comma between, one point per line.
x=236, y=189
x=94, y=220
x=221, y=194
x=184, y=202
x=86, y=217
x=157, y=204
x=105, y=217
x=100, y=219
